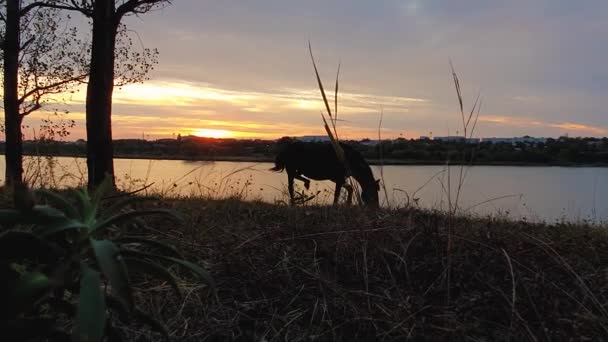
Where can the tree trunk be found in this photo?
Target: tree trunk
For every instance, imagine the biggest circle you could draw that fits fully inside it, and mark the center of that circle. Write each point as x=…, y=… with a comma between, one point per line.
x=12, y=118
x=99, y=93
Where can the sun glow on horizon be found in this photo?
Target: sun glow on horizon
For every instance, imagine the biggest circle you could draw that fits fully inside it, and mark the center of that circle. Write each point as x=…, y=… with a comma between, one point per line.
x=213, y=133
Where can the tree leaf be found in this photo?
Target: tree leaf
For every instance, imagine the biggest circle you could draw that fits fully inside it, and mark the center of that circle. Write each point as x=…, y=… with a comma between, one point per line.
x=91, y=315
x=155, y=270
x=113, y=267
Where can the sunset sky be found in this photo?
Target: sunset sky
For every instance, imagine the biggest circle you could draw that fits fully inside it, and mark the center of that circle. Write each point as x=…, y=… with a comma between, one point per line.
x=242, y=69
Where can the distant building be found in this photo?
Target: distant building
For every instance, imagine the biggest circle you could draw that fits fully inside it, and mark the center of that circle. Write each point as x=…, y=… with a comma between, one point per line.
x=495, y=140
x=595, y=143
x=524, y=140
x=424, y=137
x=450, y=138
x=369, y=142
x=165, y=140
x=314, y=138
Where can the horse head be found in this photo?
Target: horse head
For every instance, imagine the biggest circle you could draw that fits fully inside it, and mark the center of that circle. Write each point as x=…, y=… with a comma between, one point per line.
x=369, y=193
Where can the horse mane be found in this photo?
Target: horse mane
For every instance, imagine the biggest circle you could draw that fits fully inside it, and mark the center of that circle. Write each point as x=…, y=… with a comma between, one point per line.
x=358, y=165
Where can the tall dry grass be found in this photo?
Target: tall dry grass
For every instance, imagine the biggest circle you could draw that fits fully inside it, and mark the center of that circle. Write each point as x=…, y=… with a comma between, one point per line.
x=342, y=274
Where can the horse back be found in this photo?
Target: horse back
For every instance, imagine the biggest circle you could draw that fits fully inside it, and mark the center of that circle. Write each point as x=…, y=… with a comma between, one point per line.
x=314, y=160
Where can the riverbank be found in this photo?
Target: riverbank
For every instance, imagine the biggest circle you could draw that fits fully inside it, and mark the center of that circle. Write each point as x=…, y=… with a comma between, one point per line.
x=346, y=274
x=268, y=159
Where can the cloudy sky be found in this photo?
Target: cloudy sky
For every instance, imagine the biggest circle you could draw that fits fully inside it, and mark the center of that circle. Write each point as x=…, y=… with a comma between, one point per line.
x=242, y=68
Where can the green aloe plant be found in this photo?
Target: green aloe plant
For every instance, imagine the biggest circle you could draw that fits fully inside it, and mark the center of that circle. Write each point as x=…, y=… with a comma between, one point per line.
x=61, y=258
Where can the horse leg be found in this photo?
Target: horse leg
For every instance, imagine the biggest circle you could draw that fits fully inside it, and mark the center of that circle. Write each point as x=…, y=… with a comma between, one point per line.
x=305, y=180
x=349, y=189
x=292, y=196
x=339, y=185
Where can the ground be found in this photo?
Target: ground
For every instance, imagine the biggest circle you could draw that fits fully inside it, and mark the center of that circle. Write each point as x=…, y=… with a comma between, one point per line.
x=349, y=274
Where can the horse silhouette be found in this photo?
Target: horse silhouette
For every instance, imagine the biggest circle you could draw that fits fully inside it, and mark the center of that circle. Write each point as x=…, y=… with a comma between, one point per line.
x=306, y=161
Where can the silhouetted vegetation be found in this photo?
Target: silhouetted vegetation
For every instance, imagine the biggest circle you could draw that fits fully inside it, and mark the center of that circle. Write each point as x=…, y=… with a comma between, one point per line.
x=562, y=151
x=109, y=65
x=41, y=57
x=67, y=267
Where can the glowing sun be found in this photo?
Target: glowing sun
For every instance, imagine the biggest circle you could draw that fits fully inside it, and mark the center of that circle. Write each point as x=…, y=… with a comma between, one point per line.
x=212, y=133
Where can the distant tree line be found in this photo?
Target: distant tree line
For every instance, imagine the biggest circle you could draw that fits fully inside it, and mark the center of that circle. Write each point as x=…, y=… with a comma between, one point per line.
x=563, y=151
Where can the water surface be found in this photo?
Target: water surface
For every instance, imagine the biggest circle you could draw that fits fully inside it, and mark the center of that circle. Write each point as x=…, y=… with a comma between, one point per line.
x=536, y=193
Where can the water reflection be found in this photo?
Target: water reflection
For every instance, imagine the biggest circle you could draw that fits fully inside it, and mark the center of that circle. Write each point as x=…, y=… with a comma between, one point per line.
x=536, y=193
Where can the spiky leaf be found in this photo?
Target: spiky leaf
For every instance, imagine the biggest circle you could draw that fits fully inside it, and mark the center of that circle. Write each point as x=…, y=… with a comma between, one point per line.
x=52, y=229
x=113, y=267
x=58, y=201
x=44, y=214
x=101, y=190
x=91, y=315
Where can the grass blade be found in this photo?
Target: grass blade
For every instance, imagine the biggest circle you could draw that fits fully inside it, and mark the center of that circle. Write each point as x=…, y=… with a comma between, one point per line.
x=152, y=323
x=336, y=100
x=198, y=271
x=154, y=270
x=319, y=81
x=152, y=243
x=123, y=217
x=458, y=91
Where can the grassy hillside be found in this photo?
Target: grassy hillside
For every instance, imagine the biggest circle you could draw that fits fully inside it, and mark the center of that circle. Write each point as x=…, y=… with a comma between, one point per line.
x=345, y=274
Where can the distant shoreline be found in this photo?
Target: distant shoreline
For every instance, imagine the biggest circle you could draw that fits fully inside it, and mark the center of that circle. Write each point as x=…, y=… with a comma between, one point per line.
x=386, y=162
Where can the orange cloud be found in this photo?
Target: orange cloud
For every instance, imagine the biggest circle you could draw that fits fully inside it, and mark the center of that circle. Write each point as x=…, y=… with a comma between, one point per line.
x=526, y=122
x=570, y=126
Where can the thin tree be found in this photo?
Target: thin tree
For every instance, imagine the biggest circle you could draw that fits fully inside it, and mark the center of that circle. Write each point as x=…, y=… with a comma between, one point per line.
x=41, y=58
x=106, y=17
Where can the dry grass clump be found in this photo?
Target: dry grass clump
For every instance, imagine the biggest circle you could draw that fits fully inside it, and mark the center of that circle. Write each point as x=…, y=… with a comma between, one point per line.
x=345, y=274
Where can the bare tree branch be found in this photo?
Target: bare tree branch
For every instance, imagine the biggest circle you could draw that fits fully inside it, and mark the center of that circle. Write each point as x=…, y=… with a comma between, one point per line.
x=31, y=109
x=53, y=4
x=49, y=89
x=137, y=7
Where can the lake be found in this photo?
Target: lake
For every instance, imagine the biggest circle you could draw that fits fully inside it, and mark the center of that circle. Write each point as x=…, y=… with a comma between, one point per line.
x=534, y=193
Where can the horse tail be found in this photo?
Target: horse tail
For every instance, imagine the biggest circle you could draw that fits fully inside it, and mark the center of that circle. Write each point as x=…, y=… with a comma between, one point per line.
x=279, y=163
